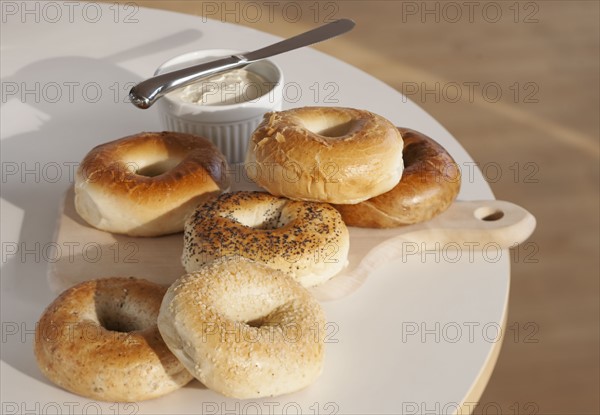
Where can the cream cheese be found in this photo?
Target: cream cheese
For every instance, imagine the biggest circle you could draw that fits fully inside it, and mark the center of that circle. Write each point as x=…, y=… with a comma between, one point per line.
x=232, y=87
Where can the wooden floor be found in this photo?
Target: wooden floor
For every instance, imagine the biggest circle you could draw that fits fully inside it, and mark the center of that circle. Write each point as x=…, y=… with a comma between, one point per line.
x=518, y=85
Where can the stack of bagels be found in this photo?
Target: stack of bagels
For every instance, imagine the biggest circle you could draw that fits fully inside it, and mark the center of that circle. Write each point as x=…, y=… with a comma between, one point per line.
x=241, y=320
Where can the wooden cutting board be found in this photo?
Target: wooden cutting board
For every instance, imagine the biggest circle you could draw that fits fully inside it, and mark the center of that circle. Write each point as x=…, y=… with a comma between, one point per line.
x=85, y=253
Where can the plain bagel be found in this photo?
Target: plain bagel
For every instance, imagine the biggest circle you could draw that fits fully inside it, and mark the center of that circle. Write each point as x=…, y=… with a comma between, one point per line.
x=99, y=339
x=325, y=154
x=146, y=184
x=243, y=329
x=429, y=185
x=306, y=240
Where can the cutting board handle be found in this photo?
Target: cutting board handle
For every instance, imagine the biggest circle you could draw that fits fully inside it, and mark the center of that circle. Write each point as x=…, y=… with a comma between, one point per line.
x=477, y=225
x=479, y=222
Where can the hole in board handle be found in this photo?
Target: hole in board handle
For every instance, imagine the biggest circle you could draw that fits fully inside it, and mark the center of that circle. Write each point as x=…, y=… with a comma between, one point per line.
x=488, y=214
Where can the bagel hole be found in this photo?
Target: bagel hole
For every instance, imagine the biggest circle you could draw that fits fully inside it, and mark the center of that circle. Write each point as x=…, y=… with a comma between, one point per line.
x=336, y=130
x=259, y=322
x=330, y=127
x=157, y=168
x=488, y=214
x=114, y=324
x=267, y=217
x=115, y=313
x=273, y=316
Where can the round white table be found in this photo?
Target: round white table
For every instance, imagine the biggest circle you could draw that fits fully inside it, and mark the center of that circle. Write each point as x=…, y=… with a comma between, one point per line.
x=421, y=335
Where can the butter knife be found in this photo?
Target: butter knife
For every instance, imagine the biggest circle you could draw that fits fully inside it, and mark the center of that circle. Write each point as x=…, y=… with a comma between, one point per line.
x=144, y=94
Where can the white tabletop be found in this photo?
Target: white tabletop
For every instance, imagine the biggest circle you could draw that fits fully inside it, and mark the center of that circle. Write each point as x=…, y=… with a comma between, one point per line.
x=421, y=335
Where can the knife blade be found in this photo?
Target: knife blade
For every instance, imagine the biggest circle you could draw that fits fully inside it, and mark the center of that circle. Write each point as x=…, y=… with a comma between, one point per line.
x=144, y=94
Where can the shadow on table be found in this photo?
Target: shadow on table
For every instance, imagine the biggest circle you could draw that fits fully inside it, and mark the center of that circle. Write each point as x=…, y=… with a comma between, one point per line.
x=61, y=107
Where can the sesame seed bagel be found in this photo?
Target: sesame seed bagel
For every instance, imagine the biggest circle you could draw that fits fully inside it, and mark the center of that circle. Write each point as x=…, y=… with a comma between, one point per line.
x=306, y=240
x=146, y=184
x=429, y=185
x=243, y=329
x=325, y=154
x=99, y=339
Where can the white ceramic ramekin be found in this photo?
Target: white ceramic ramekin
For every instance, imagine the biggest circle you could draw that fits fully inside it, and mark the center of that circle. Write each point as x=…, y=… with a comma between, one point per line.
x=228, y=126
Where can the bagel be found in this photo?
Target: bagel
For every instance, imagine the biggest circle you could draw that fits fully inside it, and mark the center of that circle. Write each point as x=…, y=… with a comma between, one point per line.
x=243, y=329
x=147, y=183
x=429, y=185
x=99, y=339
x=325, y=154
x=306, y=240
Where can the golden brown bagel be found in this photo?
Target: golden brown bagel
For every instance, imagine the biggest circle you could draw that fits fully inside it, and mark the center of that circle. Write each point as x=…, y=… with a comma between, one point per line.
x=146, y=184
x=429, y=184
x=243, y=329
x=325, y=154
x=306, y=240
x=99, y=339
